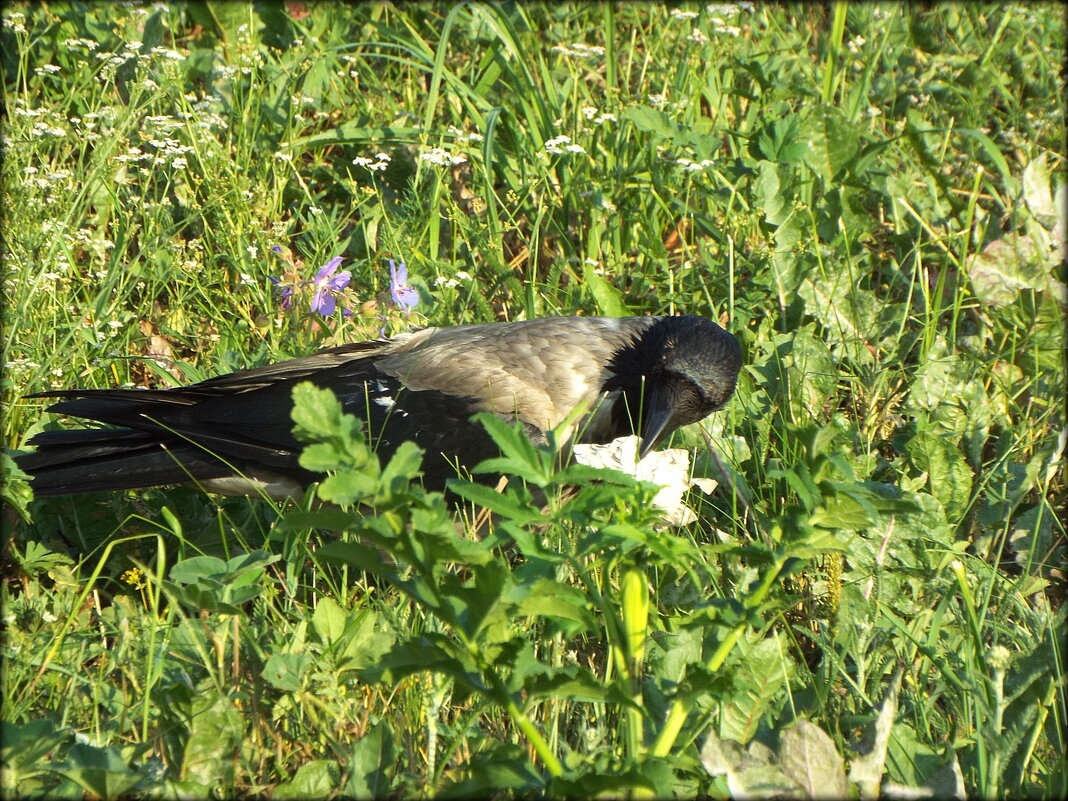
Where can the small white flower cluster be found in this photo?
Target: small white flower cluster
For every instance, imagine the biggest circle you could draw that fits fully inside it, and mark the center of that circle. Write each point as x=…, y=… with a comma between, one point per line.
x=378, y=164
x=678, y=13
x=580, y=50
x=698, y=36
x=855, y=44
x=88, y=44
x=42, y=129
x=562, y=144
x=450, y=283
x=50, y=180
x=693, y=166
x=596, y=116
x=167, y=53
x=729, y=9
x=719, y=26
x=14, y=20
x=350, y=72
x=658, y=100
x=462, y=136
x=47, y=69
x=442, y=157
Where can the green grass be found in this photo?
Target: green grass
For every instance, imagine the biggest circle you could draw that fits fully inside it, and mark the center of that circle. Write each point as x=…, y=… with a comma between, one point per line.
x=866, y=195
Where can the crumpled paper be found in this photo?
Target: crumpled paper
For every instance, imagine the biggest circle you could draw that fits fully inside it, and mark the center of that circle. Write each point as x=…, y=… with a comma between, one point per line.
x=669, y=469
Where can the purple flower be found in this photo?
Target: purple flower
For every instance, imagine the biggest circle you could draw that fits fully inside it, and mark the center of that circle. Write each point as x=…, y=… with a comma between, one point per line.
x=406, y=297
x=326, y=284
x=285, y=299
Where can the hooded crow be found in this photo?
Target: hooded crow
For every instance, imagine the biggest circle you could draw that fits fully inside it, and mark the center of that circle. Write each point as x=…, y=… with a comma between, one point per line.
x=233, y=434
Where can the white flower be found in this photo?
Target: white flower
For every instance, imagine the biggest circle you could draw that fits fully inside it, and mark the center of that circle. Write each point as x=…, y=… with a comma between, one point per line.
x=697, y=36
x=253, y=251
x=442, y=157
x=678, y=13
x=315, y=210
x=362, y=161
x=448, y=283
x=854, y=44
x=561, y=143
x=658, y=100
x=50, y=69
x=463, y=275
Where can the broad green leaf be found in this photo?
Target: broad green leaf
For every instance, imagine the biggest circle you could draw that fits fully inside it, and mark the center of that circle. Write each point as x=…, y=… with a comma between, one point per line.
x=808, y=756
x=329, y=620
x=216, y=731
x=316, y=779
x=286, y=671
x=949, y=478
x=347, y=488
x=370, y=764
x=102, y=772
x=760, y=673
x=831, y=142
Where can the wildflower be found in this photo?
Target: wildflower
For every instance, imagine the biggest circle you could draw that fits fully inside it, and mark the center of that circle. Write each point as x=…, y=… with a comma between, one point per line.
x=678, y=13
x=406, y=297
x=697, y=36
x=326, y=284
x=442, y=157
x=561, y=143
x=325, y=287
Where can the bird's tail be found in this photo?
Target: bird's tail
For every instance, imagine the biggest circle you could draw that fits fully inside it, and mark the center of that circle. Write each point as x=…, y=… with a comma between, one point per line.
x=104, y=459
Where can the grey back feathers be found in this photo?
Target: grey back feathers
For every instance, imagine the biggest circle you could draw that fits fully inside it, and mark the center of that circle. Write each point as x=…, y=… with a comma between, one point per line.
x=645, y=375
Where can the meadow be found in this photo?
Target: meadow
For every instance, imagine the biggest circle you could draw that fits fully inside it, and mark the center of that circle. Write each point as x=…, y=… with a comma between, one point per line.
x=870, y=599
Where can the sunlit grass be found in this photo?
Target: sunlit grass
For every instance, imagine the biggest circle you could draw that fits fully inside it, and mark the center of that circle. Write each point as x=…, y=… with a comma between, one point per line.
x=868, y=196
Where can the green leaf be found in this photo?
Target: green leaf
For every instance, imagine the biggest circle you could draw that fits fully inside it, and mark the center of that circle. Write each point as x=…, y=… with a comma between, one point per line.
x=949, y=478
x=760, y=673
x=100, y=771
x=370, y=764
x=831, y=142
x=318, y=412
x=23, y=747
x=216, y=732
x=505, y=504
x=610, y=301
x=347, y=488
x=653, y=121
x=286, y=671
x=403, y=467
x=316, y=779
x=358, y=555
x=329, y=620
x=329, y=519
x=321, y=457
x=808, y=756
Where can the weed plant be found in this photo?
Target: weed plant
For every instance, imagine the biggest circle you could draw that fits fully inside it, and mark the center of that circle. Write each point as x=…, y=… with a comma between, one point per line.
x=870, y=196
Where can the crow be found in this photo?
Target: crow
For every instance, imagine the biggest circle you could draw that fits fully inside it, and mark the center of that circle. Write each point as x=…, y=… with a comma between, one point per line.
x=233, y=434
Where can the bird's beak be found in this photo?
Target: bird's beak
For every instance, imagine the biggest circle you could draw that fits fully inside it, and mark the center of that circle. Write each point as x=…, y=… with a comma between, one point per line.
x=657, y=422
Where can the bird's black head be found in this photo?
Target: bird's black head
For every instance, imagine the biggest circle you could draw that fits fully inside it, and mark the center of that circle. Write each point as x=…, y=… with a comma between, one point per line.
x=678, y=371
